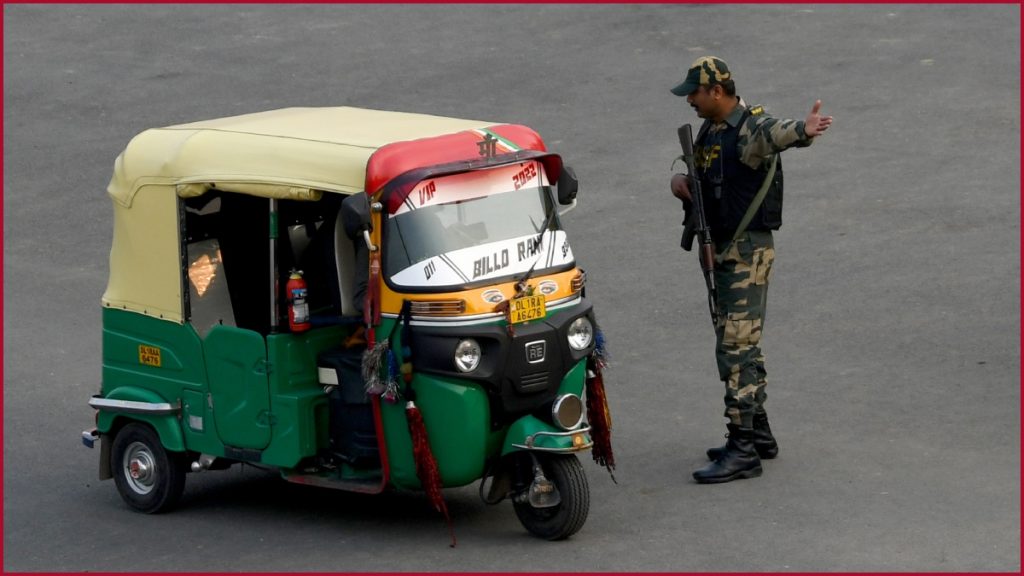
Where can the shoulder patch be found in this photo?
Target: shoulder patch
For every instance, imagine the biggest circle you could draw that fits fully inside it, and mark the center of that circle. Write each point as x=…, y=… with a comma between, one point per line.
x=756, y=110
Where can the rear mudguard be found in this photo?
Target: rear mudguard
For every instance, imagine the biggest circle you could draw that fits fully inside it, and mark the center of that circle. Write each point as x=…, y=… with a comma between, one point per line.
x=128, y=403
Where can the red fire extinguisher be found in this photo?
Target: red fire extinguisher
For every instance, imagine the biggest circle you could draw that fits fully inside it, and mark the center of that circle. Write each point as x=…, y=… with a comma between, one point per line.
x=298, y=309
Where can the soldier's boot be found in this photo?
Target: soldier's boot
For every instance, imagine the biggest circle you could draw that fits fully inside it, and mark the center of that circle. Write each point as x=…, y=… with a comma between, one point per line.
x=739, y=460
x=765, y=444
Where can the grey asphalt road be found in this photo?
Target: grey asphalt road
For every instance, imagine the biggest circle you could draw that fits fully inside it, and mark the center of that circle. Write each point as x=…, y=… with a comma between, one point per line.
x=893, y=341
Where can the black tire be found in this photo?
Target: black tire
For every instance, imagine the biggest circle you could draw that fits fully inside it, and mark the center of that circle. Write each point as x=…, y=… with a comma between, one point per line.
x=564, y=520
x=148, y=477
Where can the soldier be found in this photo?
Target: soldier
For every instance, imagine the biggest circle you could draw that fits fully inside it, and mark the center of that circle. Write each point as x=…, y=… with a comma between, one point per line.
x=737, y=162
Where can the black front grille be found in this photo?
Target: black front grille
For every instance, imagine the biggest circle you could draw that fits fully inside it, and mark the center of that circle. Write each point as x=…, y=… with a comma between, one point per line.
x=535, y=381
x=521, y=369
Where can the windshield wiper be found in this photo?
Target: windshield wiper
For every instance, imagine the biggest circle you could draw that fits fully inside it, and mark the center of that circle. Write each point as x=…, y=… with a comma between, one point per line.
x=521, y=283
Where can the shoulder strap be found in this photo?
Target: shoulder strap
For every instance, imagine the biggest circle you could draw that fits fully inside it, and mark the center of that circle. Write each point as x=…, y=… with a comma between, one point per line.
x=758, y=199
x=754, y=205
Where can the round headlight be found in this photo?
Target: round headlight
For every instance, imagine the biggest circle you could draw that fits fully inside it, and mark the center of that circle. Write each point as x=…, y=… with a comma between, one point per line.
x=467, y=355
x=581, y=333
x=567, y=411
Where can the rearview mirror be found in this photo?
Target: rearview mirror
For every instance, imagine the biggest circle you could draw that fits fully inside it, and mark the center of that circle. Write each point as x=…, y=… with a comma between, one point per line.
x=355, y=214
x=567, y=186
x=355, y=217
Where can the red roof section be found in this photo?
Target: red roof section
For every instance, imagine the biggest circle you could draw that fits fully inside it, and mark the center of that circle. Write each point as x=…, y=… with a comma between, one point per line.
x=395, y=159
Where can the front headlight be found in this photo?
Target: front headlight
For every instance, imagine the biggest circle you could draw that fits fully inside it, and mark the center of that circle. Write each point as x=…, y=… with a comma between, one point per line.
x=581, y=333
x=467, y=355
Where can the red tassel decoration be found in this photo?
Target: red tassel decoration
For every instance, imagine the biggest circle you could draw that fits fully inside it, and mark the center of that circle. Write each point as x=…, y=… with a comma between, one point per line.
x=600, y=419
x=426, y=465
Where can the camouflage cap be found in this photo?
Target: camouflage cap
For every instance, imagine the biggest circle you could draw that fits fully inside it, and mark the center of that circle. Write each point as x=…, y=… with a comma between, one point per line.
x=705, y=71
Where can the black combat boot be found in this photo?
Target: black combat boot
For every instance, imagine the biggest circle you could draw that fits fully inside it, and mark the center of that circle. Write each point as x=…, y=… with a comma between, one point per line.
x=739, y=460
x=765, y=444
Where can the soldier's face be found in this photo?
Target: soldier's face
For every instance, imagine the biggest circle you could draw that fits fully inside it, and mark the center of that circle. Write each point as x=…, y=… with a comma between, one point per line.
x=702, y=101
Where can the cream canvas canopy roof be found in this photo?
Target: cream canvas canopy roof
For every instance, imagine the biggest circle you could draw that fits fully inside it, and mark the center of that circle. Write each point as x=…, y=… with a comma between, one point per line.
x=294, y=153
x=293, y=148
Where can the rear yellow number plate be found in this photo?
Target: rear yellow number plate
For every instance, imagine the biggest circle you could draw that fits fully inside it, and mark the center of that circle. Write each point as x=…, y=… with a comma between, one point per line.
x=526, y=308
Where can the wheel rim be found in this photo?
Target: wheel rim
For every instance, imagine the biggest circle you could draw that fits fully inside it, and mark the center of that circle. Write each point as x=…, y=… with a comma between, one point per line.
x=140, y=470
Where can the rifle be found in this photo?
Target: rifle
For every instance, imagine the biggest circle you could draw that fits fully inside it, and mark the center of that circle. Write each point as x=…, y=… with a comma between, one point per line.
x=695, y=223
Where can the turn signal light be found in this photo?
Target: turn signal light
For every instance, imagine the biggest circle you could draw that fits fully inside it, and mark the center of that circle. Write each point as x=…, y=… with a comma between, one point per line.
x=578, y=281
x=437, y=307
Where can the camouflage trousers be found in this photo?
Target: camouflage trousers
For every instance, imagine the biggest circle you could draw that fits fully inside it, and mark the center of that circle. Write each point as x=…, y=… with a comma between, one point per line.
x=742, y=274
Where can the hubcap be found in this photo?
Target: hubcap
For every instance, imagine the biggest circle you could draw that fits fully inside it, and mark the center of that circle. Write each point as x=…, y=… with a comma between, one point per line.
x=140, y=468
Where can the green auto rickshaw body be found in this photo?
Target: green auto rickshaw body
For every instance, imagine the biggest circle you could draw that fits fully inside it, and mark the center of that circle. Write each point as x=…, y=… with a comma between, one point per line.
x=212, y=217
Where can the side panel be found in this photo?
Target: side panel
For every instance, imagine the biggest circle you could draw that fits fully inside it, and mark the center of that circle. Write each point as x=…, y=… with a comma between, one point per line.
x=298, y=402
x=457, y=418
x=197, y=423
x=154, y=354
x=236, y=364
x=150, y=360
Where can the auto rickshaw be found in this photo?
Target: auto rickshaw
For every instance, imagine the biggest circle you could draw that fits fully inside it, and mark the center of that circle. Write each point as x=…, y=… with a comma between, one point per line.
x=361, y=299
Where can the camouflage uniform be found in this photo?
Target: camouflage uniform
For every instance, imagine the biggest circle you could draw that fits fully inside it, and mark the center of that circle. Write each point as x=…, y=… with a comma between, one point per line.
x=742, y=275
x=740, y=174
x=744, y=267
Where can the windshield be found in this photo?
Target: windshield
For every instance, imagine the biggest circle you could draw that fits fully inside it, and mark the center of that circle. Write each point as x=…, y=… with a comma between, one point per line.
x=466, y=228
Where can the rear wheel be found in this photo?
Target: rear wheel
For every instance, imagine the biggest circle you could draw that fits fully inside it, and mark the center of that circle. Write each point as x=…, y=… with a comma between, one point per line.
x=565, y=519
x=148, y=477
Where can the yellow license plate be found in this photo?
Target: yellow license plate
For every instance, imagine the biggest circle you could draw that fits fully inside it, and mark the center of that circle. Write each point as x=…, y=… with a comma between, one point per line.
x=526, y=308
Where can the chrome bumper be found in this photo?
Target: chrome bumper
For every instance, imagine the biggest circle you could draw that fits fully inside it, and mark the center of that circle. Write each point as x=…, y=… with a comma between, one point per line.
x=529, y=443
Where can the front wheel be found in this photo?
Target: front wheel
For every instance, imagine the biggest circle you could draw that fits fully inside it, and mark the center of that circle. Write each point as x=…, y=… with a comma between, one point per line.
x=565, y=519
x=148, y=477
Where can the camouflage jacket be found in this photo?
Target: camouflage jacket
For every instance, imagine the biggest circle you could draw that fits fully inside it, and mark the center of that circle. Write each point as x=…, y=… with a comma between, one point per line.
x=761, y=135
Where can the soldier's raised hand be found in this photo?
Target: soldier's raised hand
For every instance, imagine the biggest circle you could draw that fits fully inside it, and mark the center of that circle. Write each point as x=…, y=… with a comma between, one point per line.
x=815, y=123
